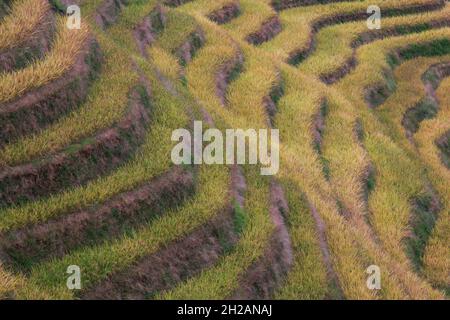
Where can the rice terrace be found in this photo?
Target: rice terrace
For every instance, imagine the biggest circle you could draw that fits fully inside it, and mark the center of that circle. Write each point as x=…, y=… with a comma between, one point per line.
x=353, y=95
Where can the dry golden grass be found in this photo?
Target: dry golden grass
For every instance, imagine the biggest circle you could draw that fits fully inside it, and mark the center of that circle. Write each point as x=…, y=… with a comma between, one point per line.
x=298, y=22
x=359, y=229
x=68, y=44
x=437, y=258
x=410, y=89
x=351, y=247
x=389, y=207
x=253, y=15
x=398, y=178
x=244, y=110
x=21, y=23
x=333, y=44
x=205, y=7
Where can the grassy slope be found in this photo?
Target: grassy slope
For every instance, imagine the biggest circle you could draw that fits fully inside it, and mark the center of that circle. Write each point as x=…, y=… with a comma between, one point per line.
x=332, y=190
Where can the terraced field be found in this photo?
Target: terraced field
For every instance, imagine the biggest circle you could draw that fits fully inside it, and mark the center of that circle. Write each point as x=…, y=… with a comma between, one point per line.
x=87, y=180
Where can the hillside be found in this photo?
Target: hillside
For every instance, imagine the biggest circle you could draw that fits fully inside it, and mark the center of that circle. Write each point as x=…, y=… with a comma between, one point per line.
x=87, y=176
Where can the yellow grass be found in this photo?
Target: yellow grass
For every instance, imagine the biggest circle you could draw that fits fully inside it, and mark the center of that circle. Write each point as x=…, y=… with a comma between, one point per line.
x=68, y=44
x=398, y=178
x=351, y=251
x=437, y=258
x=205, y=7
x=116, y=255
x=253, y=15
x=334, y=42
x=254, y=83
x=329, y=179
x=21, y=23
x=220, y=281
x=297, y=22
x=106, y=103
x=151, y=160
